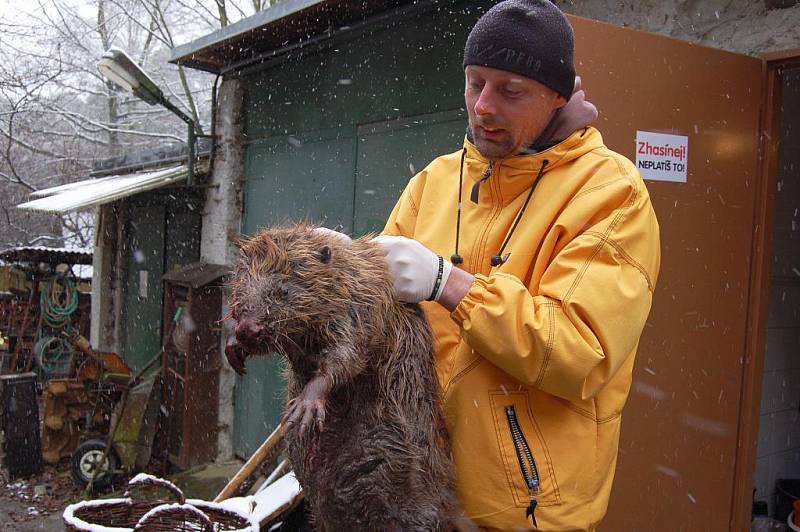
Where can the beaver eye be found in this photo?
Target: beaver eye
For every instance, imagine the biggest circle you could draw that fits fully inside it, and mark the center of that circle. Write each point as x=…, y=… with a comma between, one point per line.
x=325, y=255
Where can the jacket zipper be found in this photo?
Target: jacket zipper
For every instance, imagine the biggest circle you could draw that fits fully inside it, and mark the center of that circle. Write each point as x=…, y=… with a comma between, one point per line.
x=527, y=463
x=480, y=247
x=485, y=177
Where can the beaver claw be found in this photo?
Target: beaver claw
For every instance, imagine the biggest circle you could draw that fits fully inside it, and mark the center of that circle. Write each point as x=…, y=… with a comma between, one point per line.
x=308, y=408
x=306, y=413
x=236, y=355
x=247, y=338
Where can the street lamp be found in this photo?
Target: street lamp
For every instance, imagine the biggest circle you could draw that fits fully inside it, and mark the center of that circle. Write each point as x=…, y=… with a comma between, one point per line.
x=118, y=67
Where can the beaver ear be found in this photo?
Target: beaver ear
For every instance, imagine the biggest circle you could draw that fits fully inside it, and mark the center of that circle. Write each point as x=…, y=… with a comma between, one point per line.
x=325, y=255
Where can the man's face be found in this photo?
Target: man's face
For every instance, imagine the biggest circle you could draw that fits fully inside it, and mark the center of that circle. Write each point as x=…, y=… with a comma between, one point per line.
x=507, y=112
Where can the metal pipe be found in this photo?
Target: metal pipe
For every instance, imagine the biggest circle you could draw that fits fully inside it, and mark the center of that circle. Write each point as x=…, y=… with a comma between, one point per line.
x=214, y=123
x=190, y=167
x=172, y=107
x=192, y=135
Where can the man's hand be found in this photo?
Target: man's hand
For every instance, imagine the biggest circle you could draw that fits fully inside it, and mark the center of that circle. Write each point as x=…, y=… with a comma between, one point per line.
x=414, y=267
x=334, y=234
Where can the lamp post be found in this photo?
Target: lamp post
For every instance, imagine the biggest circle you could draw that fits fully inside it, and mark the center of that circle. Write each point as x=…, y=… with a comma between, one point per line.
x=117, y=66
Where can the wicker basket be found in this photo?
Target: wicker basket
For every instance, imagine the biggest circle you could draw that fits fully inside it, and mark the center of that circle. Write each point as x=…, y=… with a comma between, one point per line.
x=154, y=515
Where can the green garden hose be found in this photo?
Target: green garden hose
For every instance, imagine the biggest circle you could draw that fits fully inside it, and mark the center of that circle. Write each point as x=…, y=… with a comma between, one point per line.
x=58, y=301
x=57, y=307
x=54, y=355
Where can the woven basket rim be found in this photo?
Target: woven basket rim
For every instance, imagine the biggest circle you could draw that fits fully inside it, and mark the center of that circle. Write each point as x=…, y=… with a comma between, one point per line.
x=69, y=517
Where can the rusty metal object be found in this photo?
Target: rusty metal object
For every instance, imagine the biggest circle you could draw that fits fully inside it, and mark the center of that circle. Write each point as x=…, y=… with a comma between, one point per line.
x=192, y=360
x=80, y=407
x=21, y=341
x=98, y=364
x=139, y=422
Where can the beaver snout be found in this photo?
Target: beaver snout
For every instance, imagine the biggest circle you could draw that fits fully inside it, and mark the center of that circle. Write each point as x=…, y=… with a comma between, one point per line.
x=249, y=333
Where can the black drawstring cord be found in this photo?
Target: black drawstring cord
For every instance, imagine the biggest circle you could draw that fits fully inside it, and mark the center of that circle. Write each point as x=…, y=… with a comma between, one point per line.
x=456, y=258
x=499, y=259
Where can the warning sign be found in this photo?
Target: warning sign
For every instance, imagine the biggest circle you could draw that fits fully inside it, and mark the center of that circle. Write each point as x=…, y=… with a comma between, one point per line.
x=662, y=157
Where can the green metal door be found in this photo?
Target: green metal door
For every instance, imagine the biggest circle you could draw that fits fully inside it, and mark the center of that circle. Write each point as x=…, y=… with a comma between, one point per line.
x=182, y=245
x=140, y=327
x=302, y=177
x=390, y=153
x=163, y=231
x=289, y=178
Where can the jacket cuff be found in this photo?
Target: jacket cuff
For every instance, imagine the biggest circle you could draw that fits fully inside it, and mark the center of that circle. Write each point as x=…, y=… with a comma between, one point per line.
x=474, y=297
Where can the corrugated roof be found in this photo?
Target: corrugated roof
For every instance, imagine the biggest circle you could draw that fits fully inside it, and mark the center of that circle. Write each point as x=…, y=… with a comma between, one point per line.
x=91, y=192
x=47, y=254
x=287, y=22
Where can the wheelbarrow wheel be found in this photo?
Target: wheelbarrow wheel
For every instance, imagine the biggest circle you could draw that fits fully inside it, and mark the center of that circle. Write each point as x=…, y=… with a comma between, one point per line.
x=87, y=458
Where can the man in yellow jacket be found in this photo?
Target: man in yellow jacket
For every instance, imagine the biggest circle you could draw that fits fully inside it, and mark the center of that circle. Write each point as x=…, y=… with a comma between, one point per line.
x=540, y=260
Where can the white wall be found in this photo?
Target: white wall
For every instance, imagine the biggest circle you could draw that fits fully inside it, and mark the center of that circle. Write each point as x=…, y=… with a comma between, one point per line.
x=221, y=225
x=104, y=280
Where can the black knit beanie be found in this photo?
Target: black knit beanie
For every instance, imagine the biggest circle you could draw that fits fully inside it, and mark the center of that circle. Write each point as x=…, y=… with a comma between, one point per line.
x=531, y=38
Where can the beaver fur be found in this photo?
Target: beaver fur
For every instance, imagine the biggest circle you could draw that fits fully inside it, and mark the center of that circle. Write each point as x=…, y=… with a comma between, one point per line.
x=365, y=432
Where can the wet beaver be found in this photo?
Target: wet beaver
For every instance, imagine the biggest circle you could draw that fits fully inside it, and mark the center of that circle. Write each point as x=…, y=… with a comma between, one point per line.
x=365, y=433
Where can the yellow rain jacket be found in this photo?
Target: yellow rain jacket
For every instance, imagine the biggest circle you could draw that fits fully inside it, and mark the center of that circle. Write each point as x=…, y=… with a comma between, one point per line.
x=536, y=360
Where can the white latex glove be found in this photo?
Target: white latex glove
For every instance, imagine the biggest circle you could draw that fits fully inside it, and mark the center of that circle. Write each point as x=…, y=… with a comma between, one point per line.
x=341, y=237
x=414, y=268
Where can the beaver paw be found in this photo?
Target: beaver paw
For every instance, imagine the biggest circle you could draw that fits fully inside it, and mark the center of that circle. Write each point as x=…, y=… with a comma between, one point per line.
x=307, y=412
x=308, y=408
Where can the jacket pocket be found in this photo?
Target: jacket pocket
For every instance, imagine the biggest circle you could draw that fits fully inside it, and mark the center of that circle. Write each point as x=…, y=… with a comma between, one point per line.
x=527, y=463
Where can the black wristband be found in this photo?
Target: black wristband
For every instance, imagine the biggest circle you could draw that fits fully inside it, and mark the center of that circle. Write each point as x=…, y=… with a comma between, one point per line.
x=438, y=279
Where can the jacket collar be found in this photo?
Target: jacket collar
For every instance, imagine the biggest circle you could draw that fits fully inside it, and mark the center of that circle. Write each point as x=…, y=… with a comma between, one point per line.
x=580, y=142
x=515, y=174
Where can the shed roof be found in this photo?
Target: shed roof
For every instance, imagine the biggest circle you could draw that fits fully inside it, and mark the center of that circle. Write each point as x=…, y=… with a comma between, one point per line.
x=197, y=274
x=286, y=23
x=47, y=254
x=92, y=192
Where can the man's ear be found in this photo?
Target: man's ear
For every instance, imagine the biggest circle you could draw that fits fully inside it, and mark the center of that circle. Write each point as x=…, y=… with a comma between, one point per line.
x=560, y=102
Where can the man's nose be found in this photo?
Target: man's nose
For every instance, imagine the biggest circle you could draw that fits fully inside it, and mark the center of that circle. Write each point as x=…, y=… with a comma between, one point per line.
x=485, y=104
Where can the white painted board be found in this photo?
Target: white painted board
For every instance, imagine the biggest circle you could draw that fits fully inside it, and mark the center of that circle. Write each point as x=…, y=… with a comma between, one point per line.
x=662, y=157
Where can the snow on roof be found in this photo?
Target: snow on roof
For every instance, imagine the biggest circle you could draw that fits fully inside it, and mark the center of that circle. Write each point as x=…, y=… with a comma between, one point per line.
x=91, y=192
x=47, y=254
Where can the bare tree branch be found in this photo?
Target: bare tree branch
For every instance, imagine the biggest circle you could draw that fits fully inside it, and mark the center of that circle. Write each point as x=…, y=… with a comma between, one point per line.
x=17, y=181
x=57, y=113
x=28, y=146
x=223, y=13
x=205, y=14
x=26, y=231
